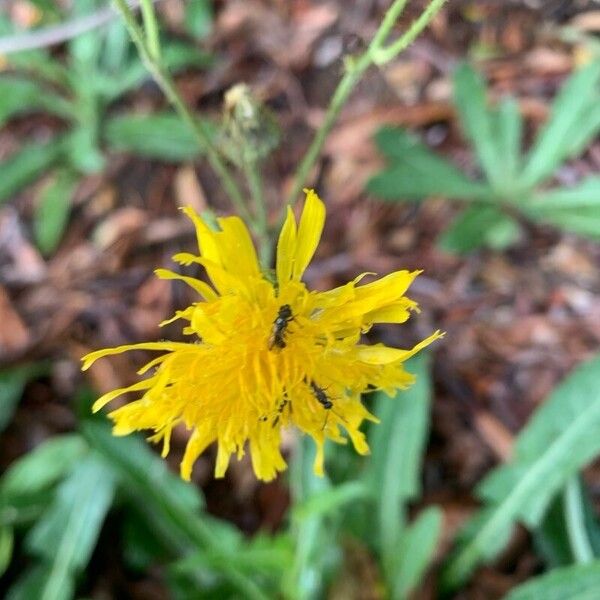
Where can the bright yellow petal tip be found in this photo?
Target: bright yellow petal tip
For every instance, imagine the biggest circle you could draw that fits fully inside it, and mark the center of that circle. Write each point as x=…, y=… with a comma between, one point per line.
x=265, y=356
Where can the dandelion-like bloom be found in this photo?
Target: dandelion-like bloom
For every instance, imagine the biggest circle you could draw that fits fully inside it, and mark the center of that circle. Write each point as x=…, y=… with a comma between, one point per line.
x=266, y=355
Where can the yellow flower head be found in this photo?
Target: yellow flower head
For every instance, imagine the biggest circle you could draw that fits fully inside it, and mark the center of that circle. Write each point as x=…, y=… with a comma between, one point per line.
x=266, y=355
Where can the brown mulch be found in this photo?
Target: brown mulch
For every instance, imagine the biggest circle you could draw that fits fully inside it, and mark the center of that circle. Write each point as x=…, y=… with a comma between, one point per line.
x=516, y=322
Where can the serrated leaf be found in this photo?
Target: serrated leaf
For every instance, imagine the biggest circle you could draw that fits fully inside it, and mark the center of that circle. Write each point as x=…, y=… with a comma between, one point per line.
x=416, y=549
x=66, y=534
x=478, y=226
x=19, y=95
x=577, y=582
x=27, y=164
x=161, y=135
x=477, y=121
x=397, y=446
x=415, y=172
x=12, y=384
x=560, y=439
x=570, y=112
x=42, y=466
x=52, y=212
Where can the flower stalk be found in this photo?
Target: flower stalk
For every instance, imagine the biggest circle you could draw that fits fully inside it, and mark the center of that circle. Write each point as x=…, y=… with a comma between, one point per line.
x=377, y=53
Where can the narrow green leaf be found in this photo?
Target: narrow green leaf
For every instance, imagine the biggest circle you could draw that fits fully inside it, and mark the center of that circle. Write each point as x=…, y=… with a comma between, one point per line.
x=397, y=446
x=12, y=384
x=577, y=97
x=585, y=194
x=170, y=506
x=575, y=521
x=560, y=439
x=199, y=18
x=416, y=549
x=66, y=535
x=26, y=165
x=331, y=500
x=578, y=582
x=415, y=172
x=551, y=541
x=163, y=136
x=582, y=221
x=6, y=547
x=479, y=226
x=30, y=584
x=477, y=121
x=20, y=95
x=508, y=128
x=42, y=466
x=52, y=212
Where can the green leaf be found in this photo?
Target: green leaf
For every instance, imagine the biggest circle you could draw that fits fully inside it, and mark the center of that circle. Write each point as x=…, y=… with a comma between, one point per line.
x=551, y=540
x=415, y=172
x=169, y=505
x=577, y=582
x=585, y=194
x=477, y=122
x=163, y=136
x=397, y=446
x=570, y=115
x=12, y=384
x=42, y=466
x=6, y=547
x=560, y=439
x=415, y=551
x=199, y=18
x=26, y=165
x=477, y=226
x=30, y=584
x=508, y=128
x=19, y=95
x=52, y=212
x=582, y=221
x=330, y=500
x=66, y=534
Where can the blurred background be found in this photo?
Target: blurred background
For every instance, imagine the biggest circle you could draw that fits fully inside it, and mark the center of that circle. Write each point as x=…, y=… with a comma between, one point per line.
x=473, y=156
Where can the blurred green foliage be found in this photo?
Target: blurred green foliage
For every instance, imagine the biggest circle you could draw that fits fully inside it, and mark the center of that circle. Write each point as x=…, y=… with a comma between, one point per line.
x=513, y=186
x=99, y=68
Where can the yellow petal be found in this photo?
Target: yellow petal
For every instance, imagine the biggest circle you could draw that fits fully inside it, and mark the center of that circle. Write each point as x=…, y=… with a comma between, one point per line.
x=200, y=439
x=237, y=250
x=309, y=233
x=199, y=286
x=286, y=247
x=92, y=357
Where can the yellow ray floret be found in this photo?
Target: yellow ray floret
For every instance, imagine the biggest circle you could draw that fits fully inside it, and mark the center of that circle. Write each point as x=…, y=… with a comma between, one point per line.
x=266, y=356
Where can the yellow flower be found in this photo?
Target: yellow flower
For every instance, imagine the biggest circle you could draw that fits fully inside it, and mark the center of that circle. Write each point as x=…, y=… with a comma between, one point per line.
x=266, y=355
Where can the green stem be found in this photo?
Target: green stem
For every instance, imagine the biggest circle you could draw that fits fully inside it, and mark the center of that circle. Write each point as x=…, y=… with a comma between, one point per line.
x=198, y=128
x=260, y=221
x=377, y=54
x=574, y=518
x=151, y=29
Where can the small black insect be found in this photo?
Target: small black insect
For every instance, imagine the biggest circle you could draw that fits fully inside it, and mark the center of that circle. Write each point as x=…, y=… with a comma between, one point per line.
x=285, y=402
x=321, y=396
x=284, y=316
